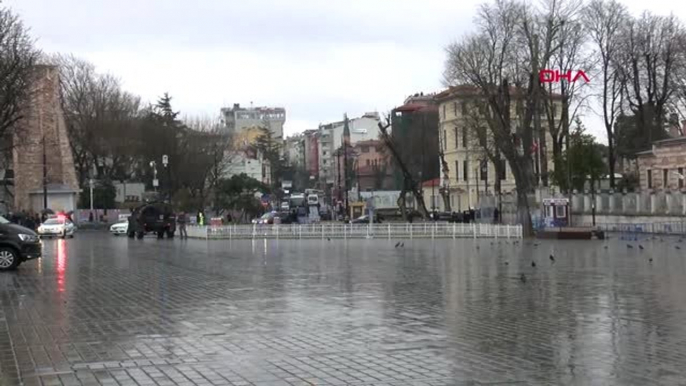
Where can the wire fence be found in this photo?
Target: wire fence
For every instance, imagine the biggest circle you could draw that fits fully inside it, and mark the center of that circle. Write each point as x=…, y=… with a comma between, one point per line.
x=633, y=230
x=356, y=231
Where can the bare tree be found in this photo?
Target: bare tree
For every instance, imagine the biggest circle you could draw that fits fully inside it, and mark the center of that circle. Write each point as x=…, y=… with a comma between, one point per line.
x=208, y=147
x=564, y=50
x=17, y=58
x=500, y=62
x=603, y=21
x=409, y=183
x=102, y=121
x=651, y=56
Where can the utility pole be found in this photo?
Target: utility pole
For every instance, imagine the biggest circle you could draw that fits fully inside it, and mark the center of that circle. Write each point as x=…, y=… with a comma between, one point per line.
x=45, y=175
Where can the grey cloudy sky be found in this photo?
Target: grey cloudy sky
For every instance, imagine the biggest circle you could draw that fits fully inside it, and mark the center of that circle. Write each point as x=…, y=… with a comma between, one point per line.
x=317, y=58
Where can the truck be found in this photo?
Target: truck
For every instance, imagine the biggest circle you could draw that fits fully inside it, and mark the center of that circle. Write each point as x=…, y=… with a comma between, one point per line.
x=154, y=217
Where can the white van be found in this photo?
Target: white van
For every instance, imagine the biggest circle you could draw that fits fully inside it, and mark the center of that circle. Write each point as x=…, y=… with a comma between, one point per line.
x=312, y=199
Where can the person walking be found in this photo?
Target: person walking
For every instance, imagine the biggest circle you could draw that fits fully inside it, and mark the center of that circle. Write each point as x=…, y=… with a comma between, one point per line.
x=181, y=220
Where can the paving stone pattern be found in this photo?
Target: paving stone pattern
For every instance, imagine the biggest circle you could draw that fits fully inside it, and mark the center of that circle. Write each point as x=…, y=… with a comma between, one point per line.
x=103, y=310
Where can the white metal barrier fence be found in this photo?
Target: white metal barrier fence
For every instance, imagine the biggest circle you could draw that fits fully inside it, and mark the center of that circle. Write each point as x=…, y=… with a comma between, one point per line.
x=356, y=231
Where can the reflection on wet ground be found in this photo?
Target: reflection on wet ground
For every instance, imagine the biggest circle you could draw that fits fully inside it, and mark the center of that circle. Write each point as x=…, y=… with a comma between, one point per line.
x=105, y=310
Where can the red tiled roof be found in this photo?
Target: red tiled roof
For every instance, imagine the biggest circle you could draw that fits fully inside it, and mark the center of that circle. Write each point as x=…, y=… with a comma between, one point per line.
x=429, y=183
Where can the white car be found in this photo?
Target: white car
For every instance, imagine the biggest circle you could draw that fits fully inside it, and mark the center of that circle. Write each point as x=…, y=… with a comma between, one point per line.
x=120, y=228
x=57, y=227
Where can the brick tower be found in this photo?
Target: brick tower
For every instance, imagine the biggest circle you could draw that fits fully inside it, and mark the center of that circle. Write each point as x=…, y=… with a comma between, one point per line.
x=42, y=135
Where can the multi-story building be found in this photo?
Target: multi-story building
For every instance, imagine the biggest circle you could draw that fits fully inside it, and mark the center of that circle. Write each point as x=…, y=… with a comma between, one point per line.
x=362, y=128
x=311, y=148
x=294, y=150
x=414, y=129
x=471, y=174
x=237, y=118
x=370, y=165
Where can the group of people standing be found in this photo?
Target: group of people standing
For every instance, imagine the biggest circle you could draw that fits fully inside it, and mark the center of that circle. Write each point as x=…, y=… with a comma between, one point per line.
x=31, y=220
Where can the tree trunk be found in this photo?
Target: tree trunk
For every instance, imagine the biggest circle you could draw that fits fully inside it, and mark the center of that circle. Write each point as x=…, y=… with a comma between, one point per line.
x=611, y=159
x=401, y=204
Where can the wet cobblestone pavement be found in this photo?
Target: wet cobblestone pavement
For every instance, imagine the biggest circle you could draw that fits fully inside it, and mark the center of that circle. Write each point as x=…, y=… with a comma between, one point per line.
x=102, y=310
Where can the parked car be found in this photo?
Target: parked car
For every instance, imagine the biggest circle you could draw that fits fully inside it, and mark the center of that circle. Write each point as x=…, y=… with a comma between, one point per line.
x=59, y=226
x=267, y=218
x=17, y=244
x=154, y=217
x=120, y=228
x=364, y=219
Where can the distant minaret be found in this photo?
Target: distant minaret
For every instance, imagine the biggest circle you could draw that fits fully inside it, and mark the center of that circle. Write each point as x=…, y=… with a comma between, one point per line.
x=346, y=130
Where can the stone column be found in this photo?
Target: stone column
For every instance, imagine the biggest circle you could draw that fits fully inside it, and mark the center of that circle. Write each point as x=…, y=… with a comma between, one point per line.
x=598, y=203
x=638, y=203
x=668, y=202
x=653, y=203
x=587, y=203
x=625, y=207
x=611, y=209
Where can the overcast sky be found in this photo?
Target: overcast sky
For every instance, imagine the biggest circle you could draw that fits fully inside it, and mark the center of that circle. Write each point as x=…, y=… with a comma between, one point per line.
x=317, y=58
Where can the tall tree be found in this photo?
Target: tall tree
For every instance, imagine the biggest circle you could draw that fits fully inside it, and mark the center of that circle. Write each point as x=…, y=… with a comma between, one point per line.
x=565, y=50
x=603, y=23
x=650, y=59
x=17, y=58
x=501, y=62
x=584, y=157
x=102, y=121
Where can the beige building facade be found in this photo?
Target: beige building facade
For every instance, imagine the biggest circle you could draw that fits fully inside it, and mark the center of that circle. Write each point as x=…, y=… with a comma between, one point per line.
x=662, y=167
x=469, y=180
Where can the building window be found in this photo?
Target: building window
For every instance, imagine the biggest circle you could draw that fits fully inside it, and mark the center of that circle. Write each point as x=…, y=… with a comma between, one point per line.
x=464, y=108
x=464, y=137
x=456, y=137
x=445, y=138
x=681, y=178
x=560, y=211
x=455, y=108
x=365, y=149
x=444, y=111
x=465, y=170
x=649, y=177
x=554, y=110
x=368, y=162
x=484, y=170
x=665, y=178
x=457, y=170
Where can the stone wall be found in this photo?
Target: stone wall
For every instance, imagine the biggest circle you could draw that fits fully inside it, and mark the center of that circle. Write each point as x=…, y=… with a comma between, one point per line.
x=43, y=121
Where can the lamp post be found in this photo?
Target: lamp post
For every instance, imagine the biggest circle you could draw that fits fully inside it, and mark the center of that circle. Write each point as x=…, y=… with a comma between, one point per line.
x=155, y=182
x=165, y=163
x=45, y=176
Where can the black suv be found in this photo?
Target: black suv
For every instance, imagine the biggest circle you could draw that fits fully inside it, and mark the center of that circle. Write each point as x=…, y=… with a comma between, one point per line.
x=17, y=244
x=155, y=217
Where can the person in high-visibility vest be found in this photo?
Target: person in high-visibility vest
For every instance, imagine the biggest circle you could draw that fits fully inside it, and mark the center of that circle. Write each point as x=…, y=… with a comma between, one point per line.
x=201, y=219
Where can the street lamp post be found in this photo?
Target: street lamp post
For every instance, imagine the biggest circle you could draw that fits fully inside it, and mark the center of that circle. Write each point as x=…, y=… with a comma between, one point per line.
x=165, y=163
x=155, y=182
